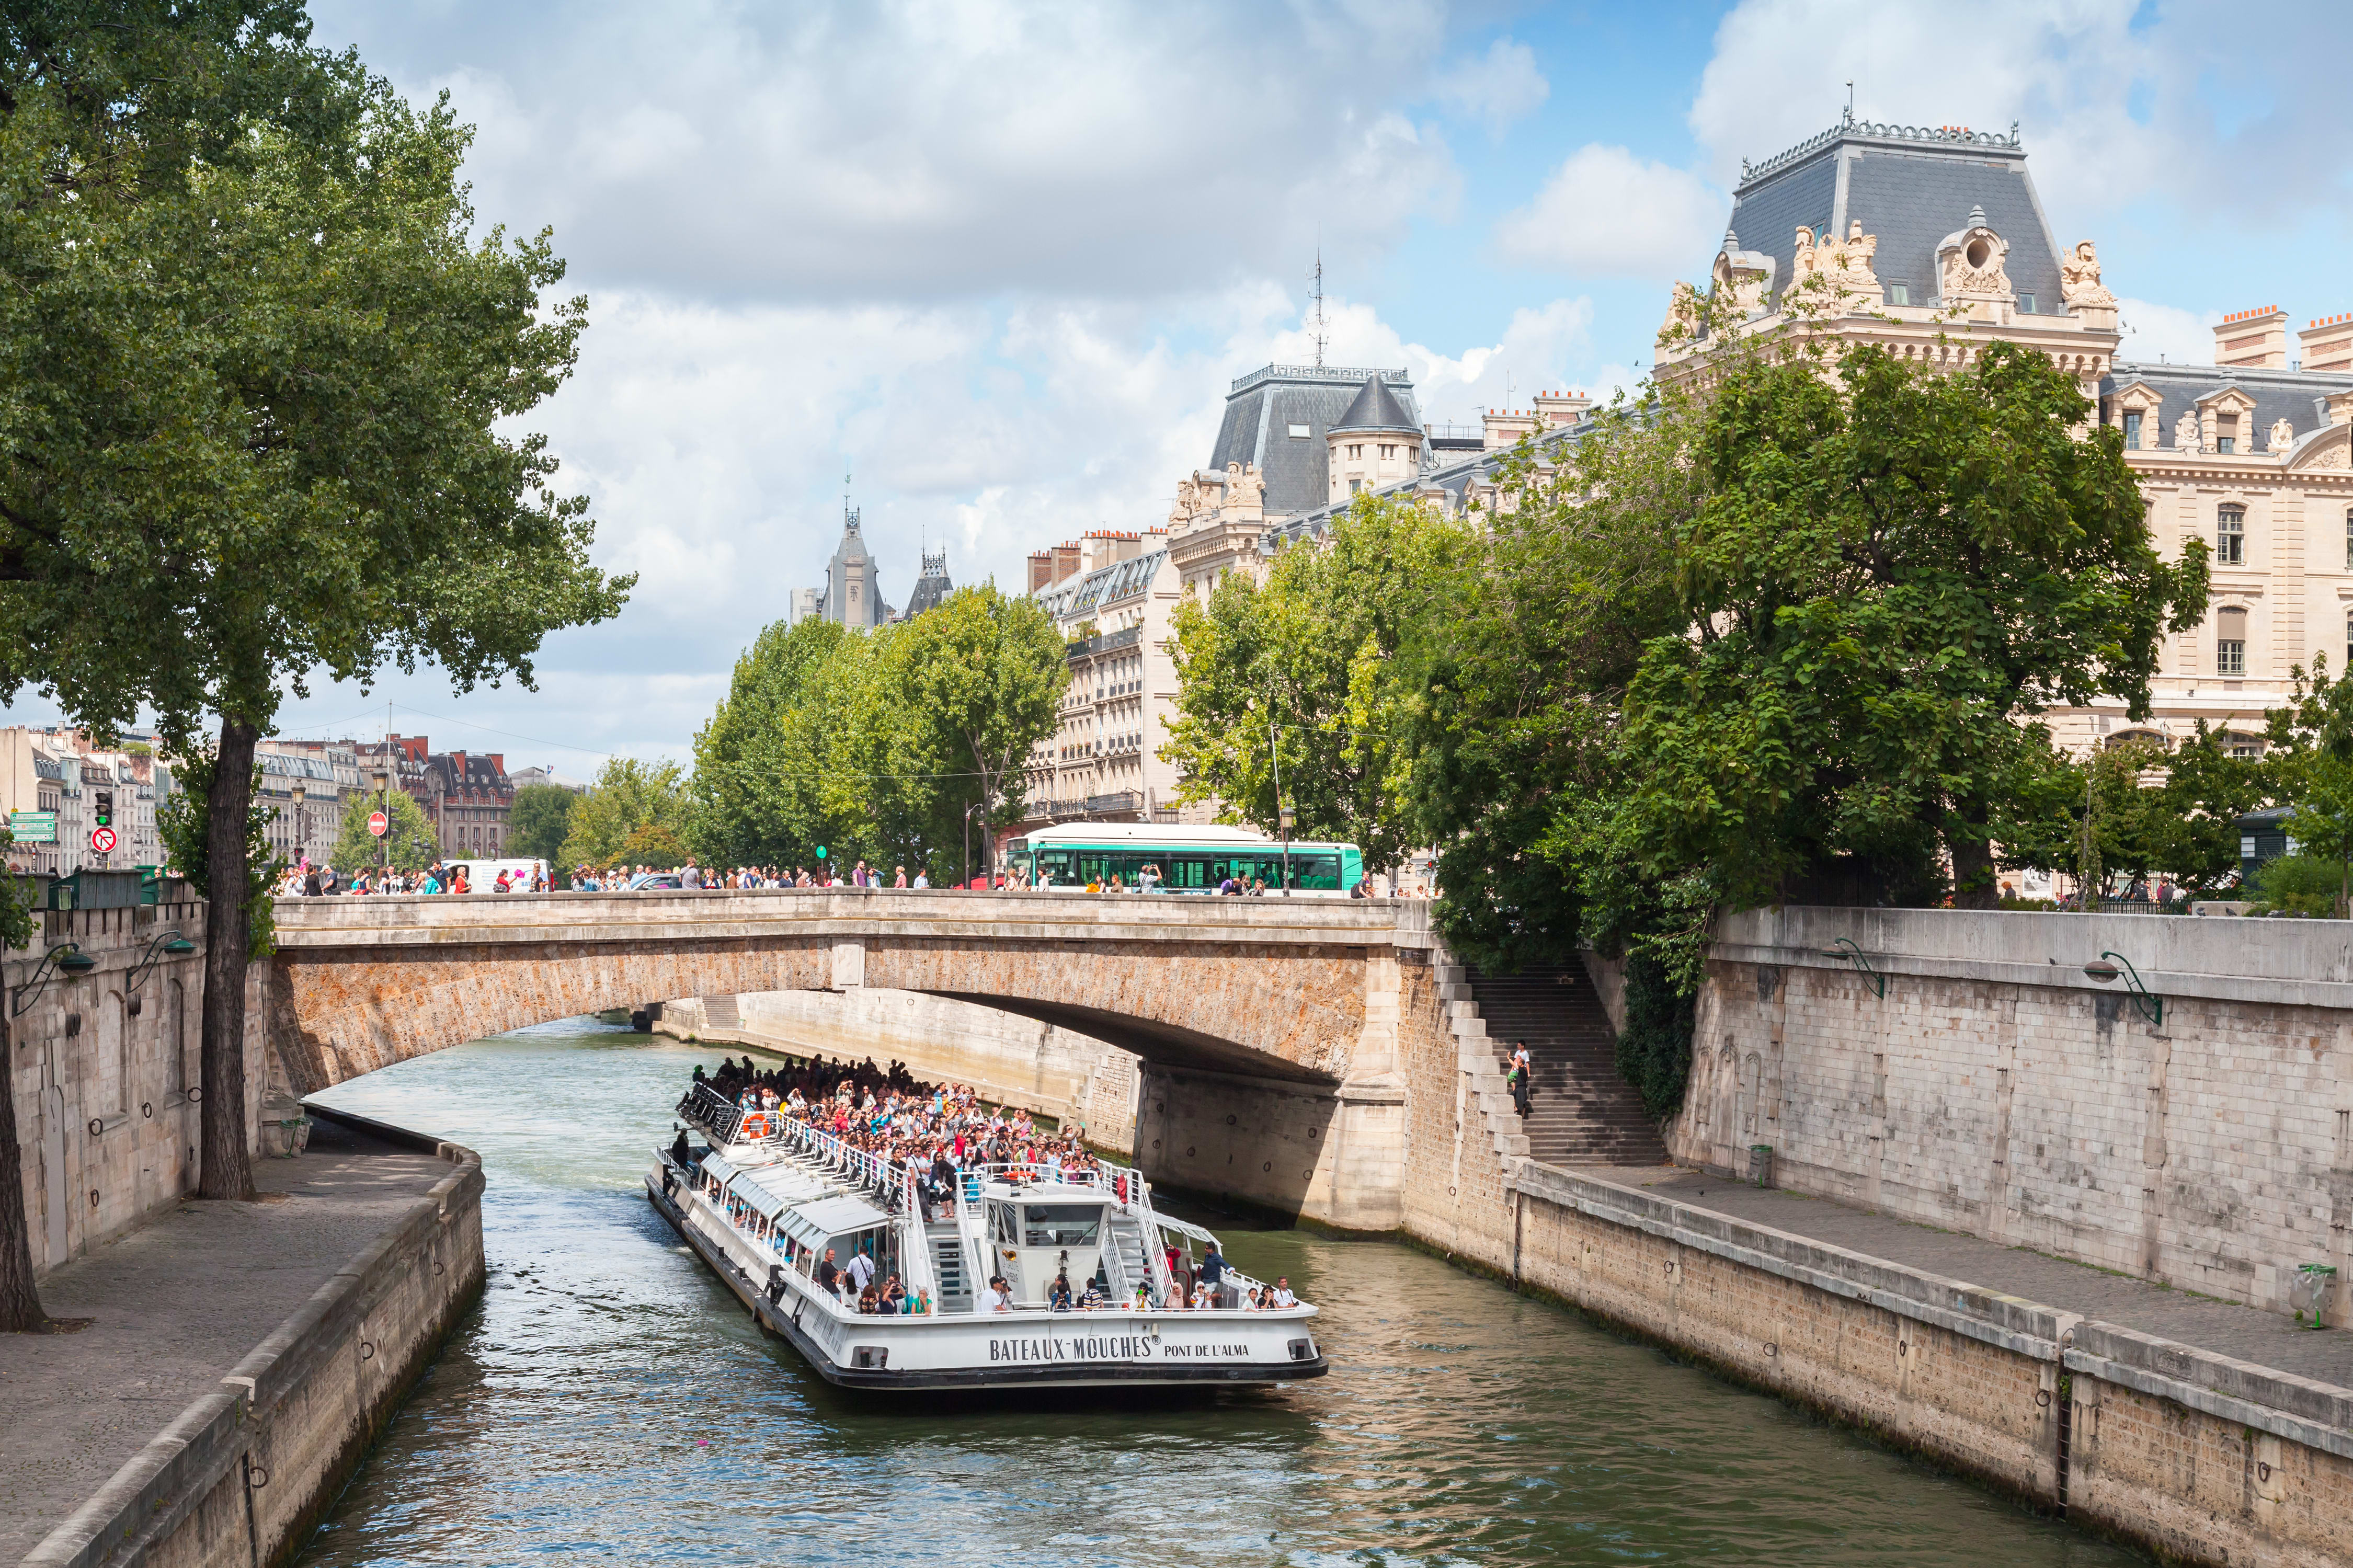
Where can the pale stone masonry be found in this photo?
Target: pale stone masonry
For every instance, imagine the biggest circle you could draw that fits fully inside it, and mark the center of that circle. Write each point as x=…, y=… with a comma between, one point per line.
x=1998, y=1090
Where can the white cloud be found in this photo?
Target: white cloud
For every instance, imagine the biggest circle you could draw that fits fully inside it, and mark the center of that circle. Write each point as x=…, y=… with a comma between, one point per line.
x=2188, y=105
x=943, y=148
x=1607, y=213
x=1501, y=87
x=2164, y=332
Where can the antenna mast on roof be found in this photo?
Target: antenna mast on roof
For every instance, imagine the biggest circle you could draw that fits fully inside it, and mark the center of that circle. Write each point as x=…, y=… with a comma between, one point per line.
x=1315, y=320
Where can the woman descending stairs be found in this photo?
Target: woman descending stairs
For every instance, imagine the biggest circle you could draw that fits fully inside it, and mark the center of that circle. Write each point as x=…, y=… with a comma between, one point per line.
x=1583, y=1112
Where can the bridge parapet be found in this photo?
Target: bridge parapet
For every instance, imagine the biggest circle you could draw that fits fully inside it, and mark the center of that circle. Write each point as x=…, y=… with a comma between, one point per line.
x=309, y=925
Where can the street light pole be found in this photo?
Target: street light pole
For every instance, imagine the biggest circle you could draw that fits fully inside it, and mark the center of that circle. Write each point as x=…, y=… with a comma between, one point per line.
x=302, y=839
x=1282, y=812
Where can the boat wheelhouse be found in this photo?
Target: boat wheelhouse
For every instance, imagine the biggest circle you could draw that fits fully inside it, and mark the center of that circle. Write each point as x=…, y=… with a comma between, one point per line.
x=771, y=1197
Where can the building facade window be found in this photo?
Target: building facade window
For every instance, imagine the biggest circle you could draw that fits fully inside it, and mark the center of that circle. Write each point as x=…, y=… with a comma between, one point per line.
x=1899, y=293
x=2230, y=640
x=2226, y=433
x=2026, y=304
x=2231, y=536
x=2132, y=441
x=2349, y=539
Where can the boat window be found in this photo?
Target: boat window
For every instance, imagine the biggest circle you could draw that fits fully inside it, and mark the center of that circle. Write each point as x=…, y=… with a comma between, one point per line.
x=1000, y=1225
x=1061, y=1225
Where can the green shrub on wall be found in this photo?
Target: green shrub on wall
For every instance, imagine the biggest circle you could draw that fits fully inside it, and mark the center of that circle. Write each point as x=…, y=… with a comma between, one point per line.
x=2297, y=884
x=1655, y=1049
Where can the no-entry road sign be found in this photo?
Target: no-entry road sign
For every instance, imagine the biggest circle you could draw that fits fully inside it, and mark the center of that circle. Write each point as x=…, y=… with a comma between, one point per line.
x=377, y=823
x=103, y=840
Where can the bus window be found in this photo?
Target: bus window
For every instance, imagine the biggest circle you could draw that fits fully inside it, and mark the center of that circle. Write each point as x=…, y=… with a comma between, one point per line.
x=1319, y=873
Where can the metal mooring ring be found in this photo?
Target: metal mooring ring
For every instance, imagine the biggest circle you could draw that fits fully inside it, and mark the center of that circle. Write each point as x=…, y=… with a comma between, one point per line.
x=195, y=1095
x=367, y=1351
x=1269, y=1165
x=93, y=1197
x=2262, y=1471
x=436, y=1266
x=257, y=1476
x=2042, y=1398
x=147, y=1108
x=97, y=1126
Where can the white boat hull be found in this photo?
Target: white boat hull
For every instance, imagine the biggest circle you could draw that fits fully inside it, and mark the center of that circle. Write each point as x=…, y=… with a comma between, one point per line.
x=1026, y=1348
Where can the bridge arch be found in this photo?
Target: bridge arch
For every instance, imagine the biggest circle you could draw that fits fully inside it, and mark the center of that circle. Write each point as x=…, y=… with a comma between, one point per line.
x=1267, y=1029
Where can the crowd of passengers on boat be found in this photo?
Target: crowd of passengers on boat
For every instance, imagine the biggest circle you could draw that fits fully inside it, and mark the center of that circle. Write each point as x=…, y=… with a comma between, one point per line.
x=942, y=1136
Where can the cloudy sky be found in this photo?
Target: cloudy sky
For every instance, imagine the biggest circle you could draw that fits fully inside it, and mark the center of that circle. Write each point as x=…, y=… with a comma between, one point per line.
x=996, y=261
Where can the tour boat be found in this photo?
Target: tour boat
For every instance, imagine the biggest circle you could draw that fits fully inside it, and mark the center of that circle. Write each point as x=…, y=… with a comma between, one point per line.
x=771, y=1196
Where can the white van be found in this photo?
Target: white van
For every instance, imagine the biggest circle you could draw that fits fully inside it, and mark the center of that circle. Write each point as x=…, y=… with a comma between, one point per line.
x=482, y=875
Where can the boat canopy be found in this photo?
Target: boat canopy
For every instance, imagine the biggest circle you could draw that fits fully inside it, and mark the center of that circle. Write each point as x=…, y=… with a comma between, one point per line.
x=758, y=1199
x=813, y=1225
x=718, y=1170
x=1170, y=1222
x=784, y=1186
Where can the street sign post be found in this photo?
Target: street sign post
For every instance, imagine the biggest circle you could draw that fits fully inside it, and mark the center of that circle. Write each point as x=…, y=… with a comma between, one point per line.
x=33, y=827
x=103, y=840
x=377, y=823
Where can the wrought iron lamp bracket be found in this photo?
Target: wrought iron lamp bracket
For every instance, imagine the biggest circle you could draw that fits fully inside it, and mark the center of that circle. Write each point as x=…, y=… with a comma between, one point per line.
x=156, y=947
x=2151, y=1006
x=30, y=992
x=1845, y=948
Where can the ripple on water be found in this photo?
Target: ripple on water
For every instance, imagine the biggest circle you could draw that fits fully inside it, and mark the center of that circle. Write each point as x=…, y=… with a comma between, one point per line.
x=609, y=1402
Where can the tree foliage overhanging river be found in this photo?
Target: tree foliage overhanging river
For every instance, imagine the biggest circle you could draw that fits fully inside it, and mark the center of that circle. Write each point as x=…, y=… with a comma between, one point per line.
x=610, y=1401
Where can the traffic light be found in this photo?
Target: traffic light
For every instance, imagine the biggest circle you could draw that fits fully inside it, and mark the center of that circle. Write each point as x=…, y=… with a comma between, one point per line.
x=105, y=809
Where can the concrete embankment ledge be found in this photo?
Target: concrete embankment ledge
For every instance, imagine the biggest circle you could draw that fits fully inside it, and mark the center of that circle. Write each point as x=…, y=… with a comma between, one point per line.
x=361, y=1257
x=2203, y=1455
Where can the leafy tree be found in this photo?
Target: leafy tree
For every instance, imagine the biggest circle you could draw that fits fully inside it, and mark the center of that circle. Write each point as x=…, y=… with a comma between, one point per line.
x=628, y=794
x=1308, y=675
x=875, y=744
x=653, y=843
x=258, y=367
x=970, y=687
x=1893, y=566
x=1523, y=668
x=410, y=843
x=1655, y=1049
x=2298, y=885
x=184, y=822
x=539, y=819
x=2312, y=751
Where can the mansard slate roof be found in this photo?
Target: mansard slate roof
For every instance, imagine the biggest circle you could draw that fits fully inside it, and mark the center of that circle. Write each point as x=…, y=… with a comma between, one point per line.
x=1265, y=404
x=2300, y=397
x=932, y=587
x=1455, y=478
x=1103, y=586
x=1376, y=407
x=1911, y=186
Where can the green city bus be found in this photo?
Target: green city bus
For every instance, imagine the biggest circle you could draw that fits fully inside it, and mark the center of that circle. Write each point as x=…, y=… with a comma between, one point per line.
x=1191, y=859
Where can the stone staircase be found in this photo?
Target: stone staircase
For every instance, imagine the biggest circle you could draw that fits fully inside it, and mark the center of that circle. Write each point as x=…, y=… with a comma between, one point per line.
x=1584, y=1113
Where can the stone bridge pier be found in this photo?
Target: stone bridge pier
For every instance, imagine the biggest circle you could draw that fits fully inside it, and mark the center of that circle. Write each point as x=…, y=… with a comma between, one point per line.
x=1268, y=1029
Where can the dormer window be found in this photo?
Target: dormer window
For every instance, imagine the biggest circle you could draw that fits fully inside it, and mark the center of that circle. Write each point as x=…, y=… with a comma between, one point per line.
x=1301, y=432
x=2226, y=433
x=2026, y=304
x=2132, y=430
x=1388, y=449
x=1899, y=293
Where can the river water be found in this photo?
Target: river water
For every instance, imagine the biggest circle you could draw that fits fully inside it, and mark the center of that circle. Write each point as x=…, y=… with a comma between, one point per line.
x=611, y=1402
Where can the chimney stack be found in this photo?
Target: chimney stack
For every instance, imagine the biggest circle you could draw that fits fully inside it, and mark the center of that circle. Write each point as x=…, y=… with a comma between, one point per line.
x=2253, y=339
x=2327, y=344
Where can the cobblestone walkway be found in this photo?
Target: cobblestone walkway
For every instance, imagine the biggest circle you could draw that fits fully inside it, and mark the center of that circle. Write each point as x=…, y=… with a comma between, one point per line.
x=176, y=1303
x=2225, y=1328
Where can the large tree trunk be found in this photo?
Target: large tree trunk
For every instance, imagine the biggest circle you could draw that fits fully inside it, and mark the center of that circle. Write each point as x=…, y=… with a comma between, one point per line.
x=20, y=1304
x=227, y=1166
x=1975, y=886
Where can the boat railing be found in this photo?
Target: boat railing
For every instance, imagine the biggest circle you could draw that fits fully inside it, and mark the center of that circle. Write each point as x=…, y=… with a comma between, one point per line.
x=883, y=1176
x=713, y=1113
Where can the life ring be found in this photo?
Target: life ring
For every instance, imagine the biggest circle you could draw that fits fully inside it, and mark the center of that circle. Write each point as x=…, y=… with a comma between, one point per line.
x=758, y=1124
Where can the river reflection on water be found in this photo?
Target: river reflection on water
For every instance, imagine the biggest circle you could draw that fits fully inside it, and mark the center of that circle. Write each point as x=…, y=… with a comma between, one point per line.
x=611, y=1402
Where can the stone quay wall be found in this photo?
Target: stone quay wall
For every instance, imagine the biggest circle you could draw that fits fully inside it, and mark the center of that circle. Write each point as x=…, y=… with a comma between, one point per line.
x=2205, y=1459
x=1998, y=1090
x=1012, y=1059
x=104, y=1073
x=245, y=1472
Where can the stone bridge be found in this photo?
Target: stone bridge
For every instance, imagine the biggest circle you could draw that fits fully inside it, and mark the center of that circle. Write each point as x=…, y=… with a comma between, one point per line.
x=1268, y=1028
